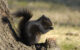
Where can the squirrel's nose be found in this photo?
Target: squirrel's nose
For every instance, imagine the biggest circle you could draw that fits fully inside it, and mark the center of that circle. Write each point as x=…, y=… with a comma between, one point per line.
x=51, y=28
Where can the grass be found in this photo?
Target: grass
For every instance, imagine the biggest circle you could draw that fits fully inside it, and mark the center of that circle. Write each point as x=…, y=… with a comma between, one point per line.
x=65, y=20
x=68, y=47
x=66, y=42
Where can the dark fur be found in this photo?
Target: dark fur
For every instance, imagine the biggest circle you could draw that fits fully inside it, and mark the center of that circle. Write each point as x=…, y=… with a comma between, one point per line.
x=30, y=31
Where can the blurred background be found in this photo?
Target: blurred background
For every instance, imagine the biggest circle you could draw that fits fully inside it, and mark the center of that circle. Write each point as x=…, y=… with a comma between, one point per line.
x=64, y=14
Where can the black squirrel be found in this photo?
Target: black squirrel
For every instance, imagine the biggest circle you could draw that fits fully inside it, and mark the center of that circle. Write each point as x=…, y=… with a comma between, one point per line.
x=30, y=31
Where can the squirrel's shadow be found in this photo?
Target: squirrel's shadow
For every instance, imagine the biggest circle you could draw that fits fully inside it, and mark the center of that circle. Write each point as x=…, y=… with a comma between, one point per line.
x=6, y=20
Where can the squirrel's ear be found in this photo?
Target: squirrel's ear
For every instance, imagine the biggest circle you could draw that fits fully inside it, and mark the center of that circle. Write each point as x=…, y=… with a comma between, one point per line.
x=43, y=16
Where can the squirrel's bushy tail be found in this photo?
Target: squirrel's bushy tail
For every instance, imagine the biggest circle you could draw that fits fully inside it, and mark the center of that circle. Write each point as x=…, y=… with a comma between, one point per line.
x=25, y=13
